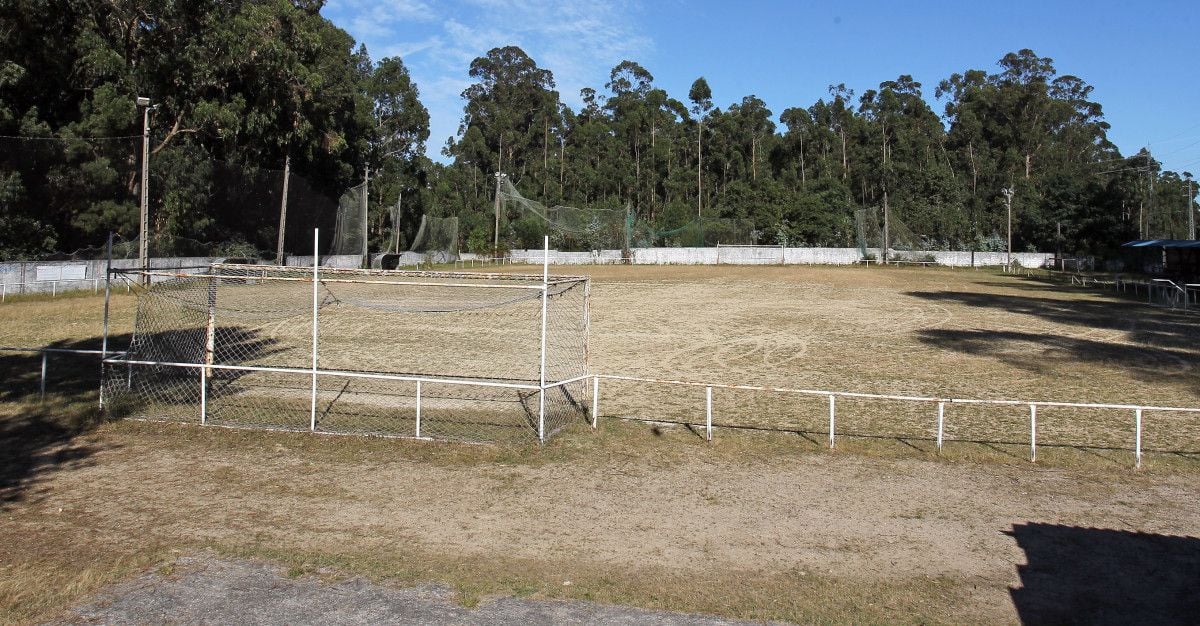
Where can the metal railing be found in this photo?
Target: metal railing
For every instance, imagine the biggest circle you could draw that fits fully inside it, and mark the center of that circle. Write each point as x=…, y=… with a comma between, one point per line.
x=45, y=365
x=38, y=287
x=1138, y=409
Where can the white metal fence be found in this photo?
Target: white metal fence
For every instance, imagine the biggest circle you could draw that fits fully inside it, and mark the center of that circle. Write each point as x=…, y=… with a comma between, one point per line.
x=705, y=415
x=937, y=420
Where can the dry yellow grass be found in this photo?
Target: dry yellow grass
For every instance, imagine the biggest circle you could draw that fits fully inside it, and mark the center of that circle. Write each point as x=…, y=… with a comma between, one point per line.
x=755, y=524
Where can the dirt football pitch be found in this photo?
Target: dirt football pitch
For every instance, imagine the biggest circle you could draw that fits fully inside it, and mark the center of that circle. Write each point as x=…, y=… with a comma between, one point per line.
x=764, y=522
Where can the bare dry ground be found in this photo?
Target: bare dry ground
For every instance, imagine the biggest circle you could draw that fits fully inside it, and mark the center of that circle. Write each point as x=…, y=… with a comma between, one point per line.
x=759, y=525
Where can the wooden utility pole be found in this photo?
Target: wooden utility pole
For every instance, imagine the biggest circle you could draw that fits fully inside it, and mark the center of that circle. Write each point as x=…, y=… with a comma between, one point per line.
x=699, y=160
x=366, y=262
x=887, y=236
x=396, y=223
x=1190, y=209
x=287, y=170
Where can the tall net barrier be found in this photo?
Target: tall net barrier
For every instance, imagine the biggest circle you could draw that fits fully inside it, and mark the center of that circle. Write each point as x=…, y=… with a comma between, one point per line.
x=350, y=229
x=869, y=227
x=698, y=233
x=437, y=239
x=569, y=228
x=417, y=354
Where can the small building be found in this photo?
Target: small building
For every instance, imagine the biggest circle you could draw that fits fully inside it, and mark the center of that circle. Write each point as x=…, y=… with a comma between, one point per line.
x=1163, y=257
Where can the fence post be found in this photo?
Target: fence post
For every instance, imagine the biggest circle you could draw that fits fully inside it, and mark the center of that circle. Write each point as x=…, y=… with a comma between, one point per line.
x=418, y=409
x=45, y=356
x=708, y=413
x=312, y=424
x=53, y=288
x=203, y=396
x=1033, y=433
x=1137, y=438
x=941, y=423
x=595, y=401
x=831, y=420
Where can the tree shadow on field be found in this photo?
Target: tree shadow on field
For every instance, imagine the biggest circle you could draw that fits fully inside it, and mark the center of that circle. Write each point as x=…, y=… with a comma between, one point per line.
x=1079, y=575
x=43, y=434
x=39, y=437
x=1145, y=325
x=1055, y=354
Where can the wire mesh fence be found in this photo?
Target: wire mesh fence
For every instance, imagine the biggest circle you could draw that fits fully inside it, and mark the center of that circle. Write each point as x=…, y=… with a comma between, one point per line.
x=472, y=357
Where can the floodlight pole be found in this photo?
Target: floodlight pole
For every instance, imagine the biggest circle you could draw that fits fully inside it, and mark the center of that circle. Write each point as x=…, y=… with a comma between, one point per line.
x=1008, y=194
x=1190, y=209
x=144, y=223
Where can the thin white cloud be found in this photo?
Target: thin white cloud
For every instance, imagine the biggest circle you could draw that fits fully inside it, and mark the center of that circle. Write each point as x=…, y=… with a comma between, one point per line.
x=578, y=40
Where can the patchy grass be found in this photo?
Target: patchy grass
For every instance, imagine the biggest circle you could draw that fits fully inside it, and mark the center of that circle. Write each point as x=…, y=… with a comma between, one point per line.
x=764, y=522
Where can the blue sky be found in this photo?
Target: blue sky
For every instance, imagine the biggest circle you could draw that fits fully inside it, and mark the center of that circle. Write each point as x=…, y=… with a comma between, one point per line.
x=1141, y=58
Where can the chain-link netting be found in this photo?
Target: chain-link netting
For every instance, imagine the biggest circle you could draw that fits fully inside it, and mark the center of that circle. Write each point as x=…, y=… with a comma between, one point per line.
x=472, y=342
x=437, y=238
x=870, y=233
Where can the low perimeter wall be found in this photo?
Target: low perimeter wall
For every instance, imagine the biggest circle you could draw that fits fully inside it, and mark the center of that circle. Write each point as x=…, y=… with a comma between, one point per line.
x=53, y=276
x=771, y=256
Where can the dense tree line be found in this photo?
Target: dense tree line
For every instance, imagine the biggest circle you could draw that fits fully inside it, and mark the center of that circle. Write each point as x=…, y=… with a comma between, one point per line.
x=242, y=89
x=239, y=89
x=1024, y=127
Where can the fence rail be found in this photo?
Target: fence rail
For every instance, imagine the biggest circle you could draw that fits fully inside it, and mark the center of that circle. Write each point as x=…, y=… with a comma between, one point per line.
x=38, y=287
x=1138, y=409
x=938, y=420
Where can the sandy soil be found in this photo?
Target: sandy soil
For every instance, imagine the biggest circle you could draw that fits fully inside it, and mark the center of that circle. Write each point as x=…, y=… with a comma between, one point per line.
x=698, y=512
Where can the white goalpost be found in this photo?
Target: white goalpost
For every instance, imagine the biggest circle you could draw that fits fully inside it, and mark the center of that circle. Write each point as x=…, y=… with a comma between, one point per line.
x=485, y=357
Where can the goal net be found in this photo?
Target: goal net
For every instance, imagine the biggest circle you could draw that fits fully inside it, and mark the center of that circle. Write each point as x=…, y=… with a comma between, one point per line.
x=441, y=355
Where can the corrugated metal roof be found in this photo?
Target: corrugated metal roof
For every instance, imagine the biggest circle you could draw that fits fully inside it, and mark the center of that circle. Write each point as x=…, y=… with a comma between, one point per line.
x=1162, y=243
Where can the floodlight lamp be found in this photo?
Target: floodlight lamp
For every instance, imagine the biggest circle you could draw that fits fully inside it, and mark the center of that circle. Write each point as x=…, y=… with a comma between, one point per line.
x=143, y=101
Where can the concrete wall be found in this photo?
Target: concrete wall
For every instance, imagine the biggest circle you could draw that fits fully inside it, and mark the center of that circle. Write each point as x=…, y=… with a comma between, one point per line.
x=18, y=278
x=771, y=256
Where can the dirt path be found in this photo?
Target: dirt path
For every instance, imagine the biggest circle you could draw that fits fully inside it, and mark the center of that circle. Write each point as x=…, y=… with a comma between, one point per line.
x=207, y=590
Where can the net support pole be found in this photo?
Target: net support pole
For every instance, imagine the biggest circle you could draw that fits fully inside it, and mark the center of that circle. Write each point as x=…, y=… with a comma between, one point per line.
x=42, y=386
x=941, y=424
x=210, y=329
x=1137, y=438
x=107, y=297
x=1033, y=433
x=832, y=413
x=312, y=418
x=708, y=413
x=542, y=375
x=595, y=401
x=203, y=397
x=418, y=430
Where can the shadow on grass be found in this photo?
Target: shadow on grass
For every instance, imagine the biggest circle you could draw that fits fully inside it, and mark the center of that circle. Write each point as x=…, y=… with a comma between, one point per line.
x=39, y=437
x=1049, y=354
x=1152, y=327
x=42, y=433
x=1101, y=576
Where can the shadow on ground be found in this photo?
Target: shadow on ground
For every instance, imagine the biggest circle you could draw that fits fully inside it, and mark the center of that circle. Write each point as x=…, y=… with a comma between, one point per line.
x=1144, y=325
x=1100, y=576
x=39, y=436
